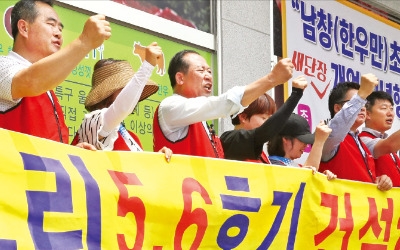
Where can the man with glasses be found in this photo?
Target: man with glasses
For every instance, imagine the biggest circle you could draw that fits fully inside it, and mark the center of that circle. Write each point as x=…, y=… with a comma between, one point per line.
x=344, y=153
x=379, y=119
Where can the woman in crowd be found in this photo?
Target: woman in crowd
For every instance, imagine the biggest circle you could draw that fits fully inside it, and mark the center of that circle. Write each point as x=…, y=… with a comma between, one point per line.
x=258, y=123
x=115, y=92
x=289, y=144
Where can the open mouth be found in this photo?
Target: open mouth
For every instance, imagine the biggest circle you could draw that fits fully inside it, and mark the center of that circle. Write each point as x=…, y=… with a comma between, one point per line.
x=57, y=43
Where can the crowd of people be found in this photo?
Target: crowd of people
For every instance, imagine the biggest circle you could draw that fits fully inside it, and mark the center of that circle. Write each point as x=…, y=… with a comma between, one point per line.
x=28, y=105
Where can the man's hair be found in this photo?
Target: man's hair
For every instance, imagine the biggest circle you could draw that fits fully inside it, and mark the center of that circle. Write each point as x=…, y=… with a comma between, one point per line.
x=338, y=94
x=178, y=64
x=262, y=105
x=378, y=95
x=26, y=10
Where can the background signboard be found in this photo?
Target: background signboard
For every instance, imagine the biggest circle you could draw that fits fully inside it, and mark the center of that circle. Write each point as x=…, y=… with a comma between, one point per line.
x=335, y=41
x=72, y=92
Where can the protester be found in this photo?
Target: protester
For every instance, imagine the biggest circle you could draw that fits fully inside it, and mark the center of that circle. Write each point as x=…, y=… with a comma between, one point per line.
x=37, y=64
x=258, y=123
x=379, y=119
x=116, y=90
x=344, y=153
x=289, y=144
x=180, y=119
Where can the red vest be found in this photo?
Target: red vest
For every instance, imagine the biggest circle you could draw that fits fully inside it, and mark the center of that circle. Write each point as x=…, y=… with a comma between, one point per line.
x=195, y=143
x=386, y=164
x=349, y=163
x=263, y=159
x=37, y=116
x=119, y=144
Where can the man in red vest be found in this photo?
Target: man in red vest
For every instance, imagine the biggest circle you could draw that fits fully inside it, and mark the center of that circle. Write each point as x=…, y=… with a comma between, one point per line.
x=180, y=120
x=344, y=153
x=37, y=64
x=379, y=119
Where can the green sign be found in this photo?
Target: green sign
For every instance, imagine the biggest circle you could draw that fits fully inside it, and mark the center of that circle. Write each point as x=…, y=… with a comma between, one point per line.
x=72, y=92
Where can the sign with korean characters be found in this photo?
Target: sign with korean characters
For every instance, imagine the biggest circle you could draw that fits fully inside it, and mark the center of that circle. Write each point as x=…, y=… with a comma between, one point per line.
x=336, y=41
x=73, y=91
x=57, y=196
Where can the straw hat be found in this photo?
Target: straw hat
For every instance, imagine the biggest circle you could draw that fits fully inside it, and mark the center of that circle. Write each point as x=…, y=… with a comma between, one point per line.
x=109, y=78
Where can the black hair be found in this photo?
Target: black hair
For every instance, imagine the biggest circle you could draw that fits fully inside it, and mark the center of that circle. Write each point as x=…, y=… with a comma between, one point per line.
x=178, y=64
x=338, y=94
x=275, y=145
x=26, y=10
x=378, y=95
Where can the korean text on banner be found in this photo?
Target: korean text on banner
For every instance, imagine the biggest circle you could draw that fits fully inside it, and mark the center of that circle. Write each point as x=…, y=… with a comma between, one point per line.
x=57, y=196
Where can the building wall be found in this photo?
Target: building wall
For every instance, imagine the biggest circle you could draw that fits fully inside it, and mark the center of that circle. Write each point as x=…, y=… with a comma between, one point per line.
x=244, y=43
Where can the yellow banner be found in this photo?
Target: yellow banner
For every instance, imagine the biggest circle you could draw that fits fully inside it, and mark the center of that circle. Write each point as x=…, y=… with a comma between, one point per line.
x=56, y=196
